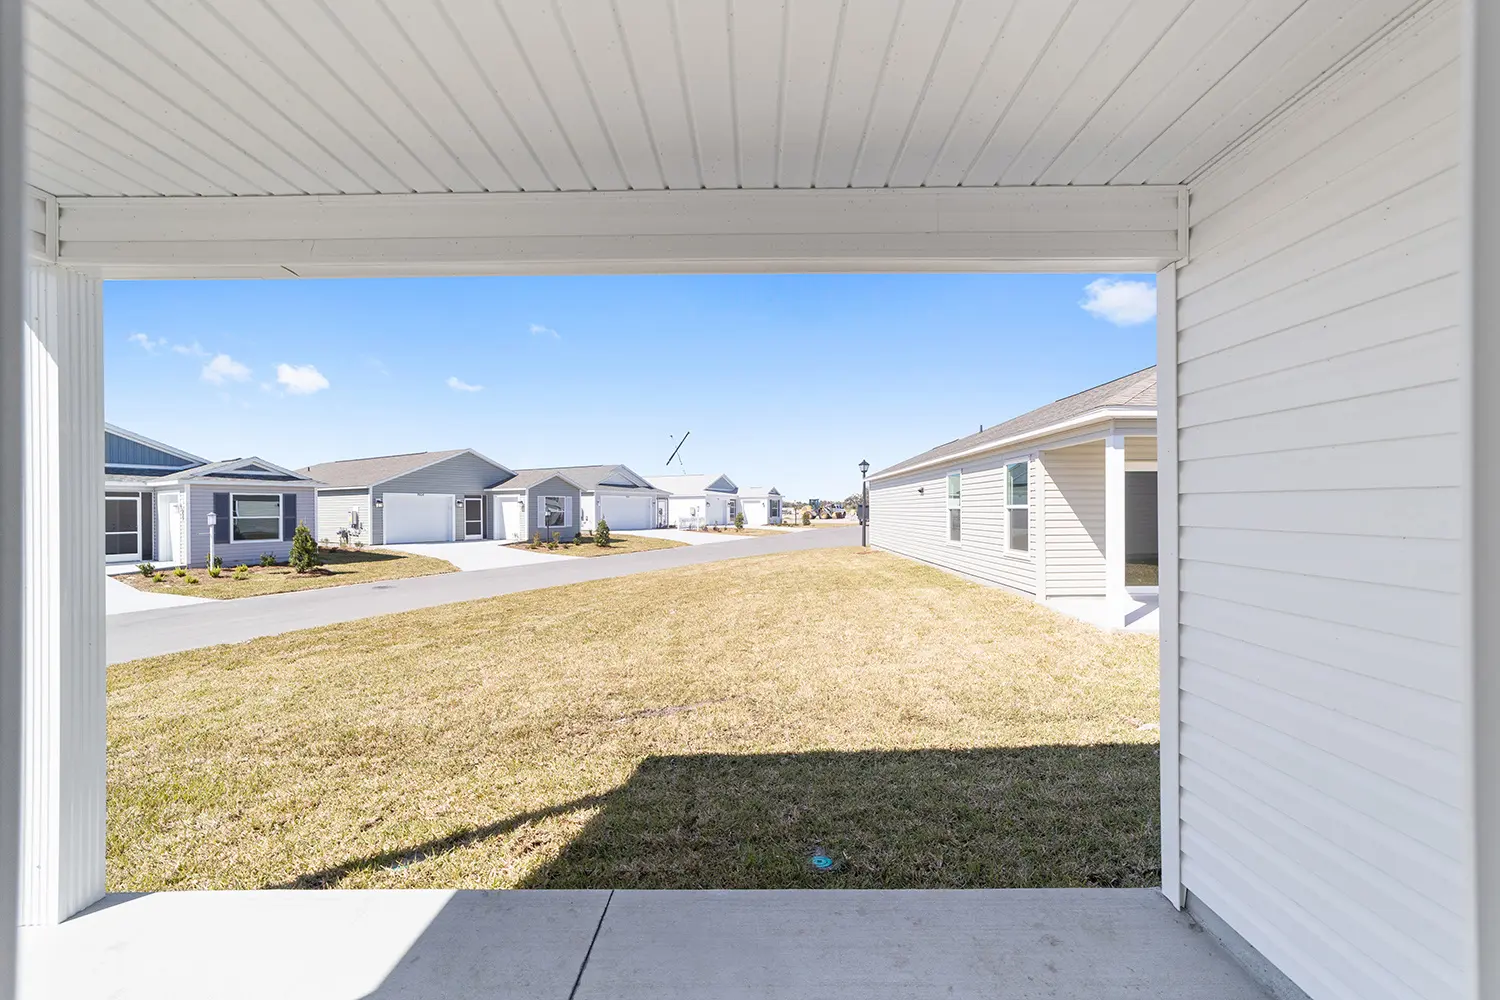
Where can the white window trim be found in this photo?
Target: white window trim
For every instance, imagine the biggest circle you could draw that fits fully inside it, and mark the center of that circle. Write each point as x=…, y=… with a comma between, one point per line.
x=1030, y=550
x=139, y=531
x=949, y=504
x=542, y=513
x=280, y=530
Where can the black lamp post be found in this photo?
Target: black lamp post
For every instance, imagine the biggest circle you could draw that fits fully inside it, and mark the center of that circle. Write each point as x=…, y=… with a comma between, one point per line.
x=864, y=504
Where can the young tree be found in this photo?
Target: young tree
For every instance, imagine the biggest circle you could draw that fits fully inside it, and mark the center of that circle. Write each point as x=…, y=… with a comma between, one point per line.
x=739, y=521
x=601, y=533
x=304, y=557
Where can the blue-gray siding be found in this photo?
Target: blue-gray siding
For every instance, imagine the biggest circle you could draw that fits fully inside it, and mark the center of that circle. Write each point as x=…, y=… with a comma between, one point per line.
x=119, y=451
x=200, y=503
x=553, y=487
x=461, y=475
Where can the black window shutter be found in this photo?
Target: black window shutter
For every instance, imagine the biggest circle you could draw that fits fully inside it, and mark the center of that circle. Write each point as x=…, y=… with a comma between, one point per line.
x=288, y=515
x=221, y=518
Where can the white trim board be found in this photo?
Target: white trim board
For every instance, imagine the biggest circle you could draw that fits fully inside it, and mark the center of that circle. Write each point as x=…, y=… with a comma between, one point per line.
x=1079, y=229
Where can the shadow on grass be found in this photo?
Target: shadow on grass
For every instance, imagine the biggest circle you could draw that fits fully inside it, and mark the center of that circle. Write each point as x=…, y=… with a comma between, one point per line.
x=1042, y=816
x=359, y=557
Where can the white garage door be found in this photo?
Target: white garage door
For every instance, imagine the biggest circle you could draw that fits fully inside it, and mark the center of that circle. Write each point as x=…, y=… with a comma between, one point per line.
x=626, y=513
x=418, y=517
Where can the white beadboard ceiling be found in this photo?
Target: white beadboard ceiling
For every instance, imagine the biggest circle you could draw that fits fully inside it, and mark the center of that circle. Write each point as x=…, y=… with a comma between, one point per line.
x=281, y=97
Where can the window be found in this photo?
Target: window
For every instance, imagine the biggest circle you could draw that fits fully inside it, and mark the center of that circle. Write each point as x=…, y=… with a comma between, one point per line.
x=555, y=512
x=1017, y=510
x=255, y=517
x=955, y=501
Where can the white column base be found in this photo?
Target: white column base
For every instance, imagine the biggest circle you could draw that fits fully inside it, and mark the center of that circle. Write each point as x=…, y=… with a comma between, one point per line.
x=62, y=700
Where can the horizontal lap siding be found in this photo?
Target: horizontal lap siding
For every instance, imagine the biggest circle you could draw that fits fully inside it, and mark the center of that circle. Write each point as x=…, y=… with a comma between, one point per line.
x=1074, y=490
x=201, y=504
x=1320, y=524
x=915, y=524
x=461, y=475
x=333, y=514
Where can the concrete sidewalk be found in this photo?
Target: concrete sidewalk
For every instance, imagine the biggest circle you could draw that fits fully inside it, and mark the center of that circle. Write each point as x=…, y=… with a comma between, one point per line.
x=171, y=630
x=834, y=944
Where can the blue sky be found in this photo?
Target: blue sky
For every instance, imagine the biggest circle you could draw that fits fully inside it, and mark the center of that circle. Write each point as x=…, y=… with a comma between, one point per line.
x=784, y=380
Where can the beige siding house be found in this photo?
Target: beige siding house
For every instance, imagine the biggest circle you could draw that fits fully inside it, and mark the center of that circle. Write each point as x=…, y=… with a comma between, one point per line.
x=1058, y=503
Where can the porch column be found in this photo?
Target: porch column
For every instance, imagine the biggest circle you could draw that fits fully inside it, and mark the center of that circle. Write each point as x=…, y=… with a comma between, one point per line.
x=1114, y=522
x=62, y=699
x=1481, y=164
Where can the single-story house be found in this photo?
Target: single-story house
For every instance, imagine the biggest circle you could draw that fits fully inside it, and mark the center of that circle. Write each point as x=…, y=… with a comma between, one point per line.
x=535, y=502
x=699, y=500
x=761, y=505
x=424, y=496
x=1056, y=503
x=159, y=501
x=617, y=495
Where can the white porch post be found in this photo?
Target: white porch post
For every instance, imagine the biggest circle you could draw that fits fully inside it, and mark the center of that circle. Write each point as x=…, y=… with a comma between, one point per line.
x=62, y=756
x=1481, y=41
x=1114, y=522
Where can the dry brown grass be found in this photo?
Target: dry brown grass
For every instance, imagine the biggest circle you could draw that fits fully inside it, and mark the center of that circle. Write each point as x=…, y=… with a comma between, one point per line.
x=340, y=568
x=703, y=726
x=620, y=545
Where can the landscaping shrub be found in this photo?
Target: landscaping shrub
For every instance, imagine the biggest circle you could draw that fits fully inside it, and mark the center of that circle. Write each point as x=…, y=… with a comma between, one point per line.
x=551, y=539
x=601, y=534
x=242, y=572
x=807, y=517
x=157, y=577
x=192, y=579
x=217, y=562
x=146, y=568
x=536, y=540
x=268, y=559
x=304, y=558
x=739, y=521
x=215, y=570
x=179, y=572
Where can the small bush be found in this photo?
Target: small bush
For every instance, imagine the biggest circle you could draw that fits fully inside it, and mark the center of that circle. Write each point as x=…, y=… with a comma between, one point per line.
x=146, y=569
x=214, y=571
x=807, y=517
x=179, y=572
x=536, y=540
x=739, y=521
x=242, y=572
x=359, y=545
x=157, y=577
x=217, y=562
x=601, y=534
x=192, y=579
x=268, y=559
x=551, y=539
x=304, y=558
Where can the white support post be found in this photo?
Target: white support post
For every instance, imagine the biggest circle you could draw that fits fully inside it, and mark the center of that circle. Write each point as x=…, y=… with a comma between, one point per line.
x=12, y=451
x=1167, y=584
x=1114, y=523
x=1481, y=400
x=63, y=749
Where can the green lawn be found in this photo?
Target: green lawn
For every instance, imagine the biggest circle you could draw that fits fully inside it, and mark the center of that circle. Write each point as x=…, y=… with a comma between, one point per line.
x=705, y=726
x=340, y=567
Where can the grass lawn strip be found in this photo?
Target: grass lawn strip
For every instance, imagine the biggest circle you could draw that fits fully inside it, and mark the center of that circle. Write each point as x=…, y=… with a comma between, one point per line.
x=707, y=726
x=619, y=545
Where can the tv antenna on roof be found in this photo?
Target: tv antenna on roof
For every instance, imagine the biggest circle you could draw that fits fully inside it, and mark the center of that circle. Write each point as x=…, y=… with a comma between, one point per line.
x=675, y=451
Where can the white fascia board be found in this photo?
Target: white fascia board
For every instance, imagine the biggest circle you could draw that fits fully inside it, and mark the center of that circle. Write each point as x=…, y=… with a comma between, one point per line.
x=1031, y=438
x=1126, y=228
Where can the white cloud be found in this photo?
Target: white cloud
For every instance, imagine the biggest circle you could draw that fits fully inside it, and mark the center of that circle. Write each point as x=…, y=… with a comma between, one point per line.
x=301, y=380
x=1119, y=301
x=223, y=369
x=458, y=385
x=146, y=343
x=193, y=350
x=538, y=330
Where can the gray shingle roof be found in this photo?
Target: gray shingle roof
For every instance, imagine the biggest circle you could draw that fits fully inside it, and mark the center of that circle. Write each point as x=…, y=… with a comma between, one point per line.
x=589, y=477
x=1137, y=390
x=525, y=479
x=691, y=486
x=369, y=471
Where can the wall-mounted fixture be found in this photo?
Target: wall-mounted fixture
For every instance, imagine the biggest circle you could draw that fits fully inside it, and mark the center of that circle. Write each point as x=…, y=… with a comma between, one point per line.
x=921, y=489
x=379, y=502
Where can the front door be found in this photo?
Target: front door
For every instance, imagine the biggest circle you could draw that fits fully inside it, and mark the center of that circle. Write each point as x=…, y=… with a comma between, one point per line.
x=473, y=517
x=169, y=514
x=122, y=529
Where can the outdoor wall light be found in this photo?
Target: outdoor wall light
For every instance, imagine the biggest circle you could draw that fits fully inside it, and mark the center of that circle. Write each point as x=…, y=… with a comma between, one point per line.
x=458, y=501
x=379, y=502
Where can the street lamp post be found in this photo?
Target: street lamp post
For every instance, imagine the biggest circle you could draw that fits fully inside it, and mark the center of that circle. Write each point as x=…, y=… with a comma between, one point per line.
x=864, y=504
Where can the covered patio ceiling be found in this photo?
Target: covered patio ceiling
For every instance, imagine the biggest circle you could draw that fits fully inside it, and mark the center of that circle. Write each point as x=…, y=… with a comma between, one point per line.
x=436, y=136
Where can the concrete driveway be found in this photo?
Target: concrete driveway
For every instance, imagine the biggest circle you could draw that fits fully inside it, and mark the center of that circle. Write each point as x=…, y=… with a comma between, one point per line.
x=476, y=555
x=687, y=537
x=121, y=598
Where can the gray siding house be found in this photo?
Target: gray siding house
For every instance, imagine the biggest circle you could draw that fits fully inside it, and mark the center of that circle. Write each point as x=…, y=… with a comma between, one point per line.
x=1058, y=503
x=426, y=496
x=536, y=502
x=158, y=501
x=616, y=495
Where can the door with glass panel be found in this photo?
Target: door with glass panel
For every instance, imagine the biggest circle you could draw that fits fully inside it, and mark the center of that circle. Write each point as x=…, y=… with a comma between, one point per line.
x=122, y=529
x=473, y=517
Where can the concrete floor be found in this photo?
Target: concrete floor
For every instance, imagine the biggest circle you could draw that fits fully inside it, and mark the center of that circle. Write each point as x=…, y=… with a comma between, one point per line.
x=688, y=537
x=122, y=599
x=478, y=554
x=1000, y=944
x=1140, y=614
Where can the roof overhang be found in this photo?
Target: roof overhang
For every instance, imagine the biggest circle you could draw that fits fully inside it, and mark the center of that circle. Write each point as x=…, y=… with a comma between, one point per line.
x=1101, y=419
x=504, y=488
x=961, y=229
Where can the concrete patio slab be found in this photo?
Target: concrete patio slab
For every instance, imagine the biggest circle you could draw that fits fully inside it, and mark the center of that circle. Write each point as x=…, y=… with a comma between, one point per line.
x=122, y=598
x=688, y=537
x=1139, y=614
x=329, y=945
x=998, y=944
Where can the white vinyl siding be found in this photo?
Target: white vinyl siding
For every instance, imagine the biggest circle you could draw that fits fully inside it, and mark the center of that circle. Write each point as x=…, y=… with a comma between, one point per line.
x=1073, y=490
x=915, y=525
x=1320, y=531
x=334, y=507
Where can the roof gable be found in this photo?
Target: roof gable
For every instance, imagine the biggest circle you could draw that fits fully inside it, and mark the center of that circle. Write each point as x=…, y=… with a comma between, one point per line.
x=362, y=472
x=247, y=470
x=695, y=485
